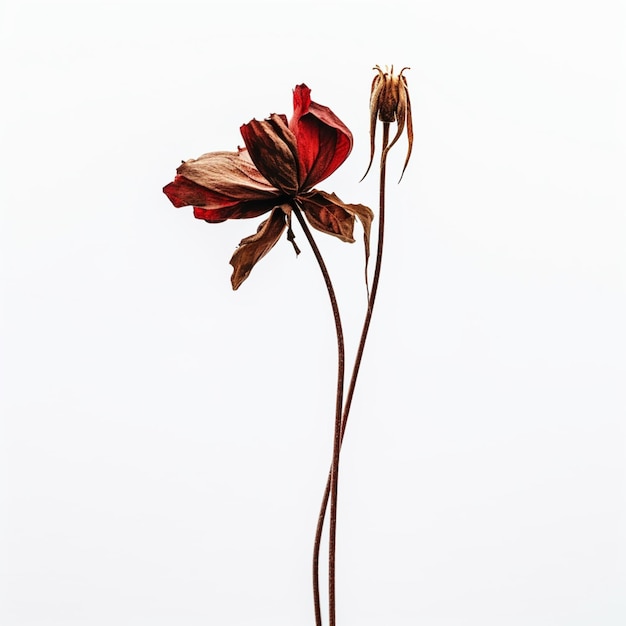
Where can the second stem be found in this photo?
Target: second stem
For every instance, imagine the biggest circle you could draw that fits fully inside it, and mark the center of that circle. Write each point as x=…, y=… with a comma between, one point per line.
x=330, y=491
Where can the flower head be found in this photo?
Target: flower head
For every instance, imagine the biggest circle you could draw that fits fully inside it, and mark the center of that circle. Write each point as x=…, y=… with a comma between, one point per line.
x=281, y=162
x=390, y=102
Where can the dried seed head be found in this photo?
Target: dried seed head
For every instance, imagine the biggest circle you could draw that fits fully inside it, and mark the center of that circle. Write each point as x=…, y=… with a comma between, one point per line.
x=385, y=94
x=390, y=102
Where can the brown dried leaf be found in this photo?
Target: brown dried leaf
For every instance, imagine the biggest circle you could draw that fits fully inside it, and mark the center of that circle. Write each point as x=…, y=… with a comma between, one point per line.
x=253, y=248
x=328, y=214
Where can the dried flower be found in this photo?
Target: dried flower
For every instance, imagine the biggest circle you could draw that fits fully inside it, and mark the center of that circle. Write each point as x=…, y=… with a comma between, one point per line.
x=390, y=102
x=278, y=167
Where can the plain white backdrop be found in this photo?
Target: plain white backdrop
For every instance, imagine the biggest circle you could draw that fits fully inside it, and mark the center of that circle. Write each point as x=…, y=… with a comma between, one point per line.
x=164, y=441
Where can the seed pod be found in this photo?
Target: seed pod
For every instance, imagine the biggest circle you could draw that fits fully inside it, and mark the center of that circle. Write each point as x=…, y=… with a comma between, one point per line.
x=390, y=102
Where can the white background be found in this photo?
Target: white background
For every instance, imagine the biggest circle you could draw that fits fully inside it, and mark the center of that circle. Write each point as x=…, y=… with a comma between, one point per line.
x=165, y=441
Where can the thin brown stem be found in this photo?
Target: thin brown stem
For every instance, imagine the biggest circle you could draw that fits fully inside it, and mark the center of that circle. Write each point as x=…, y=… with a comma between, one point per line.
x=337, y=436
x=375, y=280
x=357, y=365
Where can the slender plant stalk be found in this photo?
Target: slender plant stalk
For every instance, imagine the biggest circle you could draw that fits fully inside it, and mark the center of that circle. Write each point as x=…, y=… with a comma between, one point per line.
x=355, y=373
x=337, y=435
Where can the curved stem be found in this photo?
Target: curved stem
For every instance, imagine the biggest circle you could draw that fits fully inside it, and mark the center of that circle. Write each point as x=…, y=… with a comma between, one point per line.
x=337, y=436
x=375, y=280
x=357, y=362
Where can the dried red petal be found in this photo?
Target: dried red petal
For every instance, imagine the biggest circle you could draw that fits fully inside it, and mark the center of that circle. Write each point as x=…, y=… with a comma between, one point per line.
x=324, y=141
x=184, y=192
x=242, y=210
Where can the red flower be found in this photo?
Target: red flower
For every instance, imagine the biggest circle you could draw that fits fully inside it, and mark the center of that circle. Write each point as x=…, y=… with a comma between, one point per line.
x=277, y=169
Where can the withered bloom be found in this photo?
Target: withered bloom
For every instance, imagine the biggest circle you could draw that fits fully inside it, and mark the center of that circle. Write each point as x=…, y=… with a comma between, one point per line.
x=390, y=102
x=281, y=162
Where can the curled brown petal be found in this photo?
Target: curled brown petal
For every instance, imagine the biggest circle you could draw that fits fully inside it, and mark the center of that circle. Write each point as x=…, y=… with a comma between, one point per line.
x=229, y=176
x=253, y=248
x=328, y=214
x=272, y=148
